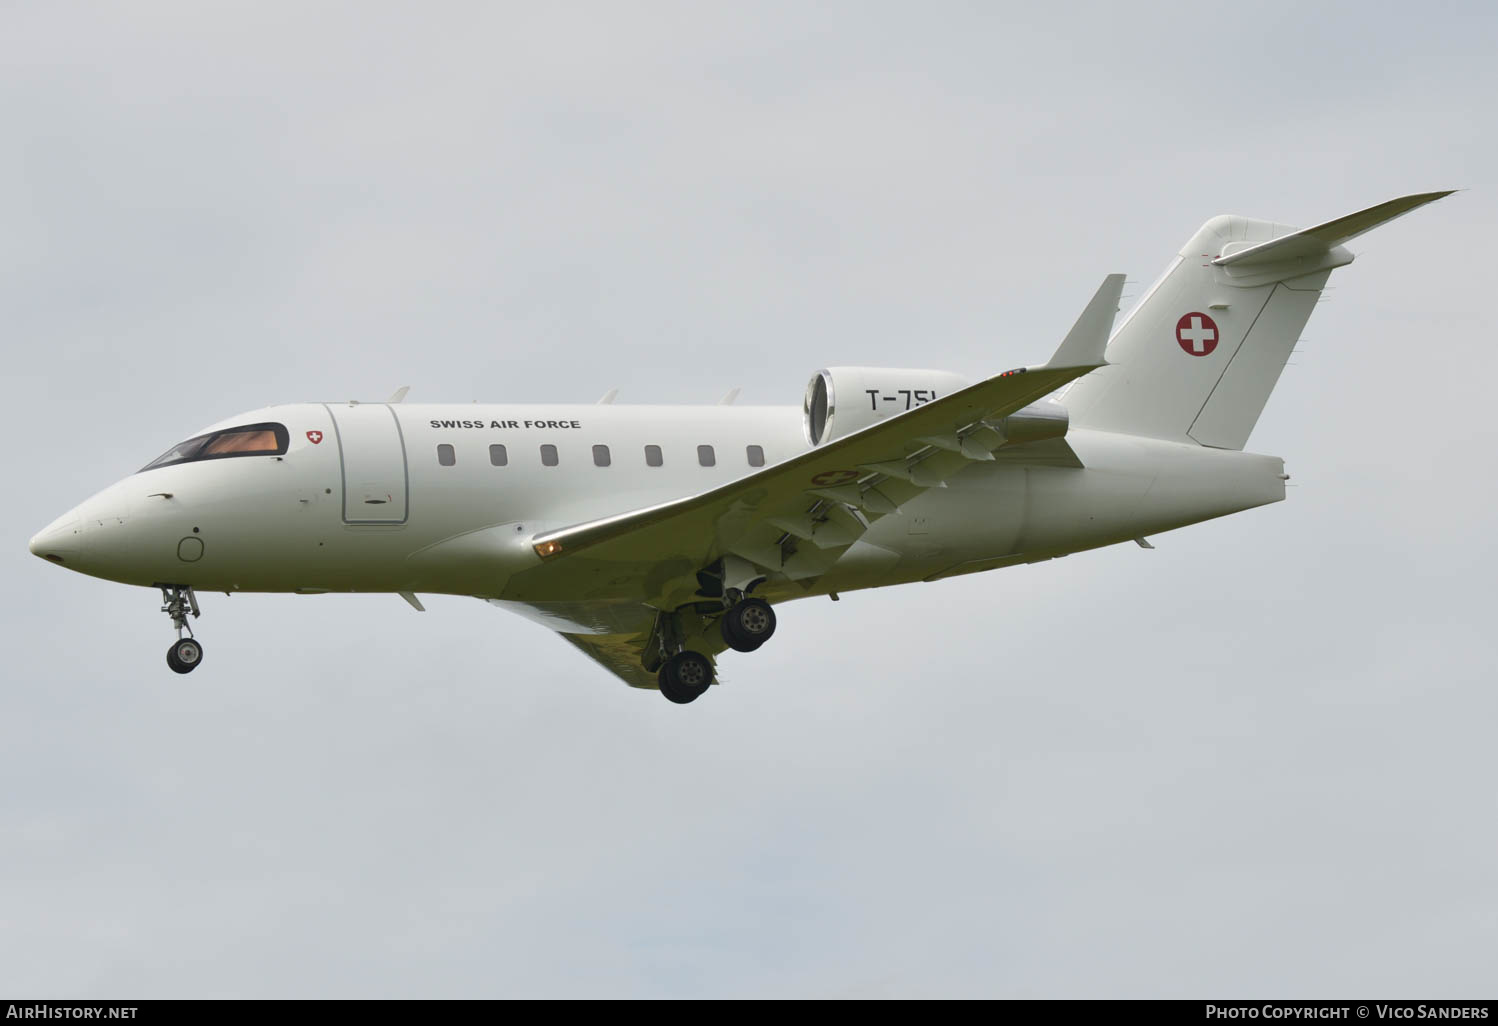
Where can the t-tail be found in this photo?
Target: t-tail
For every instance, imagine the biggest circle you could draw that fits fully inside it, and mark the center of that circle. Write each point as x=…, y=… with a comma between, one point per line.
x=1196, y=358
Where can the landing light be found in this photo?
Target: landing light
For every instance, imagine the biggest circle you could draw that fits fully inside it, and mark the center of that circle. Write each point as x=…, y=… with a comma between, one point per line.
x=548, y=548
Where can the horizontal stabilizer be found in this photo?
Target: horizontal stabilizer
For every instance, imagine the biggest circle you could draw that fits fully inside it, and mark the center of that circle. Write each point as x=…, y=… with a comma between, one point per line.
x=1313, y=241
x=1084, y=344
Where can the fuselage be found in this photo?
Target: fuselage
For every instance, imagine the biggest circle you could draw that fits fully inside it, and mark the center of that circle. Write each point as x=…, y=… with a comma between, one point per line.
x=445, y=499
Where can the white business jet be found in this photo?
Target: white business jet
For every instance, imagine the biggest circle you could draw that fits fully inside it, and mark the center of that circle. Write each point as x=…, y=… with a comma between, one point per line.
x=656, y=537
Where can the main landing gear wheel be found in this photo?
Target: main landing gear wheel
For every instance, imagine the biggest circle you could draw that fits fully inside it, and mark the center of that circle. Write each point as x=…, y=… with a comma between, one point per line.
x=685, y=677
x=748, y=625
x=184, y=655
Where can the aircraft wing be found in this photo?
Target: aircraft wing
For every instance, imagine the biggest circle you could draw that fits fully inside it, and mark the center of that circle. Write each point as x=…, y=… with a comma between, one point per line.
x=620, y=654
x=793, y=520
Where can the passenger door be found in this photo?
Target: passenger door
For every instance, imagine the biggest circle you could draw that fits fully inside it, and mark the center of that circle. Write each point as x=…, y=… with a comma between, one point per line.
x=373, y=456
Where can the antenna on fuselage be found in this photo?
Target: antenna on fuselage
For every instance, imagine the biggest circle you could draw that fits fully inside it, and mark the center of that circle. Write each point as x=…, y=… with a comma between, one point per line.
x=400, y=393
x=729, y=397
x=608, y=397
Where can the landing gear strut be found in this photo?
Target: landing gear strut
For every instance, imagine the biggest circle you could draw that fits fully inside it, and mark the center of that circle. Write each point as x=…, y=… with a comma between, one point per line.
x=177, y=601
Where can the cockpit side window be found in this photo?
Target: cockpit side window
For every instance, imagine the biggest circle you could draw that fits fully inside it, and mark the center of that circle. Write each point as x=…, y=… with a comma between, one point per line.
x=250, y=440
x=253, y=441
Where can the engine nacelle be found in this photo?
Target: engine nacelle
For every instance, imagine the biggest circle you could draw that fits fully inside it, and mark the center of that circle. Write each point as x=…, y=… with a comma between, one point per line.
x=1035, y=423
x=842, y=400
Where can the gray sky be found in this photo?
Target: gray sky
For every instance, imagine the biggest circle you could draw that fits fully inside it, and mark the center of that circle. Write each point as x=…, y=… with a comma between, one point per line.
x=1258, y=760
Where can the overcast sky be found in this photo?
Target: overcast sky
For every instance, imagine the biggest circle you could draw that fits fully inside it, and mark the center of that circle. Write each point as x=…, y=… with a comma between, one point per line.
x=1256, y=761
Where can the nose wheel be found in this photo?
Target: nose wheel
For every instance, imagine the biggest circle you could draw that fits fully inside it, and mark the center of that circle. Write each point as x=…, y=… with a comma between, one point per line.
x=178, y=602
x=184, y=655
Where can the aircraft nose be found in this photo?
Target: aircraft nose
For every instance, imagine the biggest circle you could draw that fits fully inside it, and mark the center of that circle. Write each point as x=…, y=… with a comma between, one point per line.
x=60, y=541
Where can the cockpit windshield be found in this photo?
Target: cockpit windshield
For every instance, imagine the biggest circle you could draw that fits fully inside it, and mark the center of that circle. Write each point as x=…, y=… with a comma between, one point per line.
x=250, y=440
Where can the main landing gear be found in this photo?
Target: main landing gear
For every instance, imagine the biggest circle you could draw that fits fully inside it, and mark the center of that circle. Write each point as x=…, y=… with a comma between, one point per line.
x=686, y=674
x=748, y=624
x=177, y=602
x=685, y=677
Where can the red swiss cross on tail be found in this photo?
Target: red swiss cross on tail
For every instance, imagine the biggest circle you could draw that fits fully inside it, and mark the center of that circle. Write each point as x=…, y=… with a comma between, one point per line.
x=1197, y=334
x=314, y=437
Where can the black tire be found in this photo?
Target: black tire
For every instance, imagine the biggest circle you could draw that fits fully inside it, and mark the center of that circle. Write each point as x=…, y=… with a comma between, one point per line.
x=685, y=677
x=184, y=655
x=670, y=690
x=748, y=625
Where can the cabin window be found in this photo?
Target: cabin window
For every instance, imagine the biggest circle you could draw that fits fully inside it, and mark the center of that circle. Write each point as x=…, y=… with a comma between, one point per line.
x=601, y=456
x=706, y=456
x=250, y=440
x=653, y=456
x=446, y=455
x=548, y=455
x=499, y=456
x=756, y=456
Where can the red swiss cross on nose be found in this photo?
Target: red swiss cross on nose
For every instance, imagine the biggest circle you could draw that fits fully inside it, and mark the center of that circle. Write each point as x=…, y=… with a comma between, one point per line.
x=1197, y=334
x=314, y=437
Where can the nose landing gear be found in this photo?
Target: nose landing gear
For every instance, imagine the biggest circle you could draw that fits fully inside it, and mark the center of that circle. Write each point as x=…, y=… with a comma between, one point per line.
x=184, y=655
x=177, y=602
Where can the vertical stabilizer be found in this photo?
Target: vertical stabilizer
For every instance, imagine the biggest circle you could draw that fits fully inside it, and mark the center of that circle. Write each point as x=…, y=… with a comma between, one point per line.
x=1197, y=357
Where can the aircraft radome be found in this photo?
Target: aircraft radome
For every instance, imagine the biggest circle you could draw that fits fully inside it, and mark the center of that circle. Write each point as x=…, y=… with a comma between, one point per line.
x=654, y=538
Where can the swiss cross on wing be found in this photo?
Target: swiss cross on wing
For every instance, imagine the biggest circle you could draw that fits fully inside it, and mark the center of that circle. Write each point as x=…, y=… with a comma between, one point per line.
x=315, y=437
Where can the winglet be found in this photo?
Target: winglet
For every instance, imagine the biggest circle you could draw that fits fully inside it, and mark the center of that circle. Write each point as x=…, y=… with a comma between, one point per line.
x=1084, y=344
x=1314, y=241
